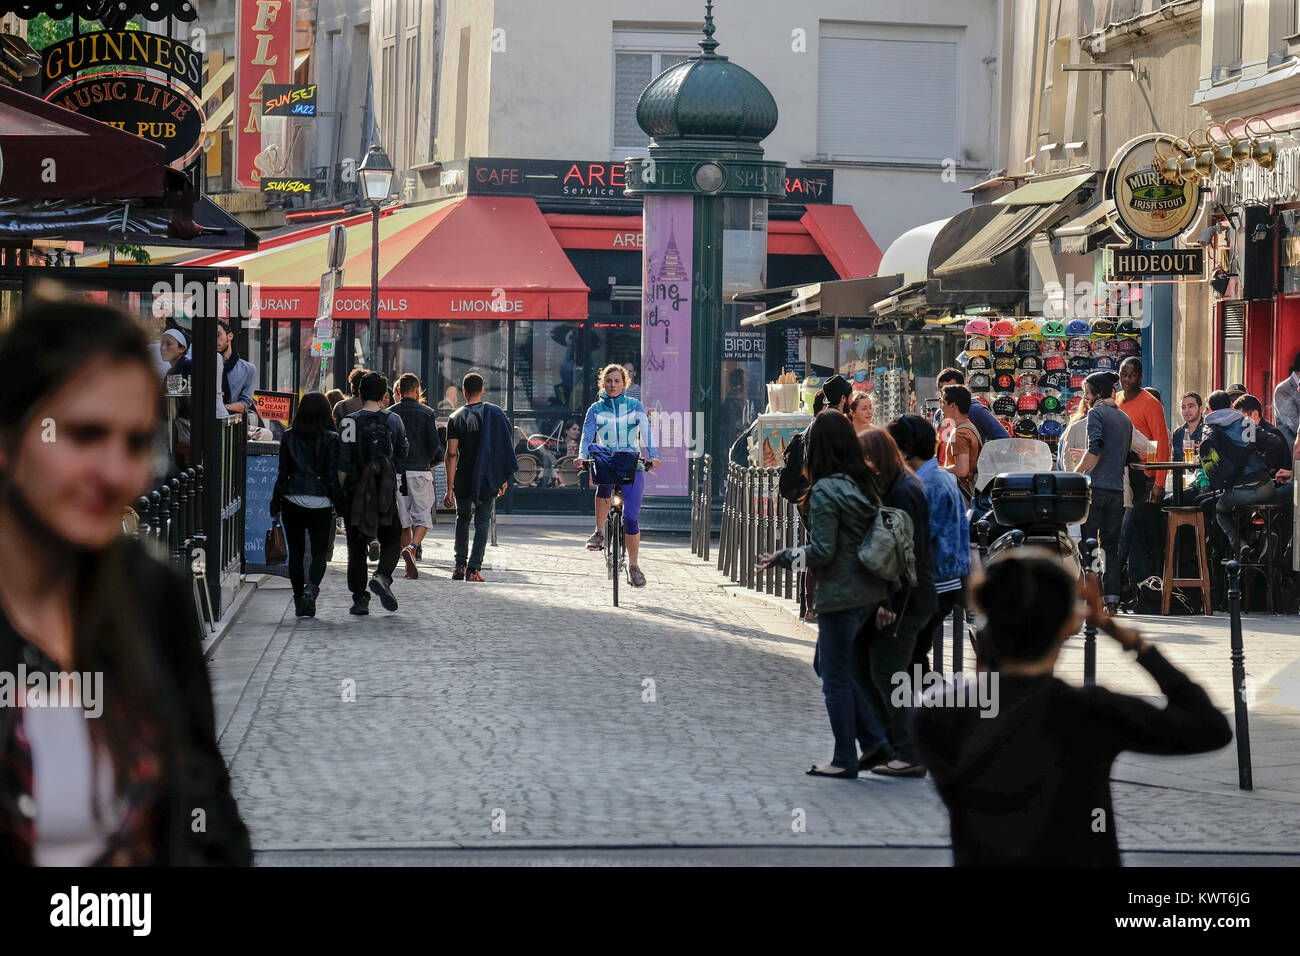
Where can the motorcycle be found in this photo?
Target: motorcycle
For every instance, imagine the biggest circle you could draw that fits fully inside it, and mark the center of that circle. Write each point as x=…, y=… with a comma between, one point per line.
x=1021, y=502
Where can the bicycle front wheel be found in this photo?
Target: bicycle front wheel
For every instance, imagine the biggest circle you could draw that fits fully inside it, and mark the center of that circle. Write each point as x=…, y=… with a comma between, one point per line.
x=616, y=552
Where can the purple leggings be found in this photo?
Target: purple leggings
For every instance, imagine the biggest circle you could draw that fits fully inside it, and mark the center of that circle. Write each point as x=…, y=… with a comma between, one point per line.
x=631, y=501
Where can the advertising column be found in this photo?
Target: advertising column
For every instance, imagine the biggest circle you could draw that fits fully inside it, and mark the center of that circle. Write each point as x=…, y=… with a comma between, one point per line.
x=666, y=335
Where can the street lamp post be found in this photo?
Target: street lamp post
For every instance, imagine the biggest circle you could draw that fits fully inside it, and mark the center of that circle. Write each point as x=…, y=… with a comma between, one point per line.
x=376, y=182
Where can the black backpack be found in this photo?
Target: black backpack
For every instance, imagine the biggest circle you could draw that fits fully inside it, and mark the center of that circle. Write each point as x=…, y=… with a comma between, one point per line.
x=792, y=484
x=375, y=440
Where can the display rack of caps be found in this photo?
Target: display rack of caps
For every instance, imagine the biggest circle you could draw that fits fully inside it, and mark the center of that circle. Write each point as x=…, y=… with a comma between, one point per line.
x=1030, y=372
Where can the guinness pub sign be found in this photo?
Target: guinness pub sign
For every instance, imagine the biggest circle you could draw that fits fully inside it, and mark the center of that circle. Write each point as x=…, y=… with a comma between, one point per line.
x=160, y=105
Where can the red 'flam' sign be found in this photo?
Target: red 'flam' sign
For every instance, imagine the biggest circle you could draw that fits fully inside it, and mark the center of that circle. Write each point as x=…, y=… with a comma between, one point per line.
x=264, y=40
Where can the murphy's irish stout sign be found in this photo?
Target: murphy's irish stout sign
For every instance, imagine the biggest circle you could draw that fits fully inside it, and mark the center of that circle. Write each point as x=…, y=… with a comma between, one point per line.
x=1148, y=205
x=161, y=106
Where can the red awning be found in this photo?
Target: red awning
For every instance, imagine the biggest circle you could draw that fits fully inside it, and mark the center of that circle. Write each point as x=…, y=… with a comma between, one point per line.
x=479, y=257
x=833, y=231
x=844, y=240
x=91, y=160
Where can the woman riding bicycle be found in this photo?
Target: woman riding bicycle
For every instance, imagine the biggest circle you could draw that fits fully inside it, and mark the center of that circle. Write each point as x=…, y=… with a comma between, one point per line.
x=619, y=423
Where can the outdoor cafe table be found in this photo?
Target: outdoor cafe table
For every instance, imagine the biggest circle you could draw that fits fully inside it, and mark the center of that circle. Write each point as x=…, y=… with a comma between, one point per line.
x=1176, y=467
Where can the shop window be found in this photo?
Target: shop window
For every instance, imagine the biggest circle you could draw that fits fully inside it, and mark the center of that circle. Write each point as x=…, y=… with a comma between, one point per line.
x=1233, y=323
x=462, y=347
x=1289, y=252
x=284, y=357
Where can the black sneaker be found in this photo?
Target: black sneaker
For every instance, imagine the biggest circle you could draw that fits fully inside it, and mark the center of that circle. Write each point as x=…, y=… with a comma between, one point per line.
x=459, y=573
x=309, y=601
x=384, y=589
x=359, y=607
x=299, y=605
x=419, y=552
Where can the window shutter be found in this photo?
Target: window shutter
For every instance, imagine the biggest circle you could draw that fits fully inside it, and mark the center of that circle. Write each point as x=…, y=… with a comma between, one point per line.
x=632, y=74
x=873, y=94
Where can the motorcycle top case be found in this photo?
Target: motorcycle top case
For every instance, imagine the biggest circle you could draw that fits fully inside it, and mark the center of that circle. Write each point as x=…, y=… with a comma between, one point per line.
x=1031, y=498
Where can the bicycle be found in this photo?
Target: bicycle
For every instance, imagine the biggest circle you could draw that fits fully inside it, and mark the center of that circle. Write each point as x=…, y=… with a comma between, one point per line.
x=615, y=547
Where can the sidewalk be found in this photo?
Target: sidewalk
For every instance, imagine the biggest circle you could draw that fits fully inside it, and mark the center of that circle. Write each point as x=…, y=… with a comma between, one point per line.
x=529, y=695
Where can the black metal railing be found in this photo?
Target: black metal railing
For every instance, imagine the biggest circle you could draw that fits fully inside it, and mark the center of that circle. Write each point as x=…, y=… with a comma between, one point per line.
x=226, y=554
x=756, y=519
x=169, y=517
x=701, y=505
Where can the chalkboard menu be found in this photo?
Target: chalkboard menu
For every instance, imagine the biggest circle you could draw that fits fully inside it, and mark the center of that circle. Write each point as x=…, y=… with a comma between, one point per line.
x=794, y=358
x=262, y=468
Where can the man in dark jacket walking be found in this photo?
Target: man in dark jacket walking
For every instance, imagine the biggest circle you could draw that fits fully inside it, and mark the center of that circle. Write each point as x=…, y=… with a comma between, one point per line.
x=415, y=469
x=372, y=439
x=480, y=461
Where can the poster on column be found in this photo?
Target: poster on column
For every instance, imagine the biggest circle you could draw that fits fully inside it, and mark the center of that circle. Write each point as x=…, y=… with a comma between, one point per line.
x=666, y=337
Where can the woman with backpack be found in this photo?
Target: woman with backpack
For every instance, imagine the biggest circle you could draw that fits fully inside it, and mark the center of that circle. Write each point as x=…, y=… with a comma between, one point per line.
x=305, y=492
x=887, y=651
x=842, y=500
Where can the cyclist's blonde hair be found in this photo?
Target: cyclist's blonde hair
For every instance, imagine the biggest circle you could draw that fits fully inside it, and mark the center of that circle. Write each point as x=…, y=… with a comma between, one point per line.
x=612, y=367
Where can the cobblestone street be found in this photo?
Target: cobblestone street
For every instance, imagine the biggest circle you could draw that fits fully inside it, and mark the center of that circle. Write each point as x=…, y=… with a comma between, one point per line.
x=526, y=712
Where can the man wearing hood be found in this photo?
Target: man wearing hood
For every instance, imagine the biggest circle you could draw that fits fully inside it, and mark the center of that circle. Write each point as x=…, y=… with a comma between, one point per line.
x=1232, y=461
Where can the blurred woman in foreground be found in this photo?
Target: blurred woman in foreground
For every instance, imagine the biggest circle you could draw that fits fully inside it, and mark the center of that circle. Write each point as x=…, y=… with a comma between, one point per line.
x=123, y=772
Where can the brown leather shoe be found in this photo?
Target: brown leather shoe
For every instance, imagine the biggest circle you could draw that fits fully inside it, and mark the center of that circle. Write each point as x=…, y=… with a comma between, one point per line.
x=473, y=576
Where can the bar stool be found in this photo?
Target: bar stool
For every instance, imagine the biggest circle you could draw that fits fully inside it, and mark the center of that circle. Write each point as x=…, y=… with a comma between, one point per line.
x=1263, y=536
x=1194, y=518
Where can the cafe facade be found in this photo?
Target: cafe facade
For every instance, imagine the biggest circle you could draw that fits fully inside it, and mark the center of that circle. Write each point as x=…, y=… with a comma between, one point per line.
x=528, y=272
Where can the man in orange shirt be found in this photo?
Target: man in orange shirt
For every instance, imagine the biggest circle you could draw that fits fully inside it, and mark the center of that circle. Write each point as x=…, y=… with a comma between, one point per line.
x=1143, y=533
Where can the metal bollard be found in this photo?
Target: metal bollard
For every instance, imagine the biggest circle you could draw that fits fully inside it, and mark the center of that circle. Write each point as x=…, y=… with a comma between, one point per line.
x=174, y=526
x=706, y=540
x=958, y=640
x=142, y=528
x=1089, y=631
x=155, y=515
x=746, y=531
x=1241, y=716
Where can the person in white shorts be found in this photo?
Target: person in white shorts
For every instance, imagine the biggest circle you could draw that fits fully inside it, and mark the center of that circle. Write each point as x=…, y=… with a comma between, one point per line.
x=415, y=490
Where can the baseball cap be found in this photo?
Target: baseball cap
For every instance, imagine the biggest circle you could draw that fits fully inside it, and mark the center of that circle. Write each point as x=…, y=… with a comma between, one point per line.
x=1103, y=363
x=1103, y=327
x=981, y=399
x=1004, y=363
x=1072, y=405
x=1002, y=345
x=1003, y=382
x=1127, y=346
x=979, y=382
x=1027, y=347
x=1107, y=346
x=1054, y=328
x=1004, y=327
x=1031, y=363
x=1050, y=405
x=1078, y=327
x=977, y=343
x=1006, y=423
x=1050, y=428
x=1080, y=363
x=1056, y=346
x=979, y=362
x=1026, y=327
x=1027, y=380
x=1079, y=346
x=1004, y=405
x=1027, y=404
x=977, y=327
x=1054, y=363
x=1057, y=380
x=1076, y=380
x=1128, y=327
x=1025, y=428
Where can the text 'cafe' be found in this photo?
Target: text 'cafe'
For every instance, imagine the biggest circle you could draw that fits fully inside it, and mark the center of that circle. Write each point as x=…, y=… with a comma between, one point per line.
x=528, y=271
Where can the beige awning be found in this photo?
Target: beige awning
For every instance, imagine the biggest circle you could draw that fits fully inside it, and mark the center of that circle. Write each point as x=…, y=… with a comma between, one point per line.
x=1008, y=229
x=806, y=299
x=1044, y=192
x=1092, y=221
